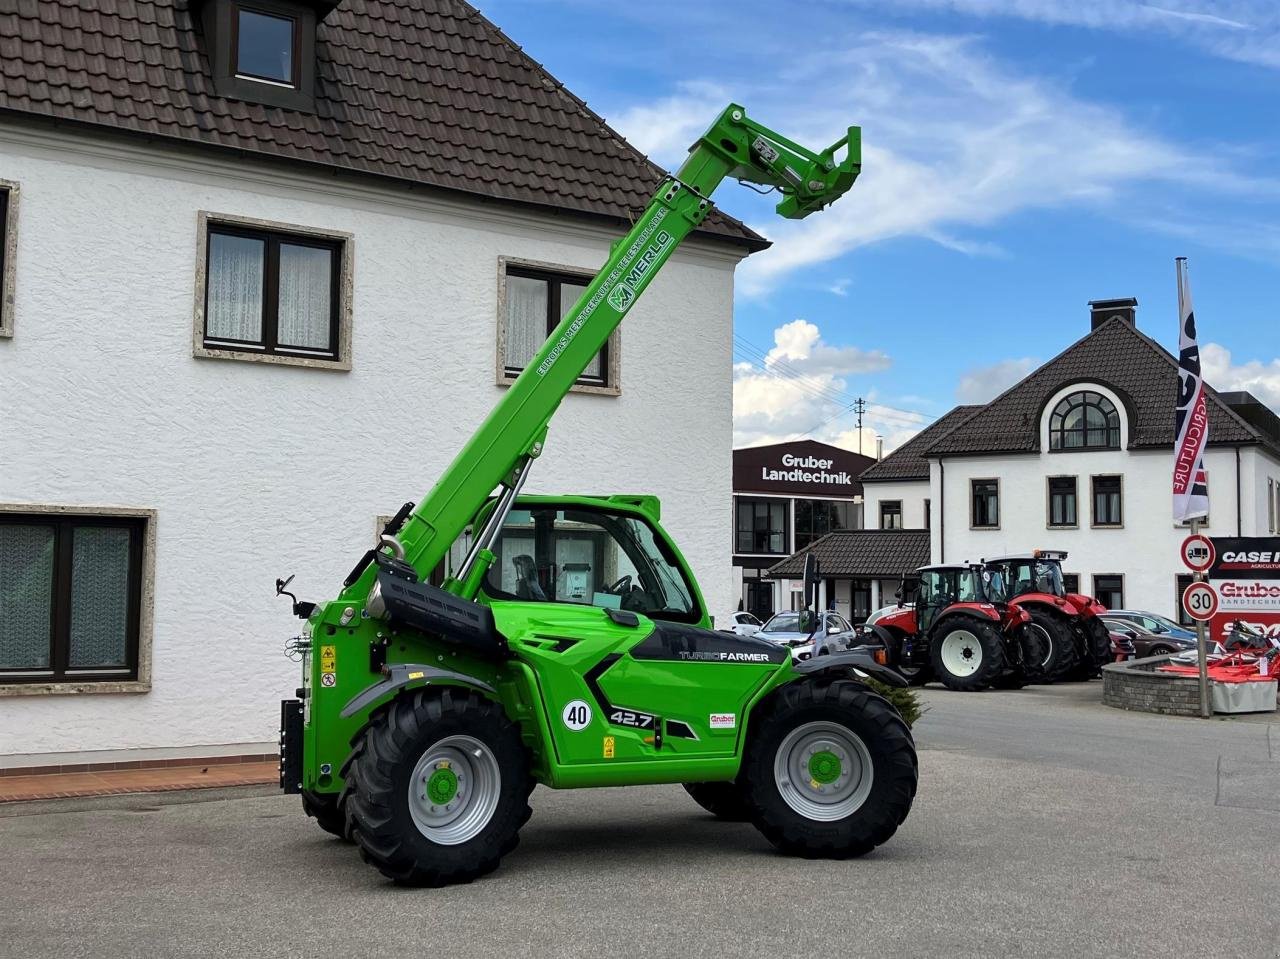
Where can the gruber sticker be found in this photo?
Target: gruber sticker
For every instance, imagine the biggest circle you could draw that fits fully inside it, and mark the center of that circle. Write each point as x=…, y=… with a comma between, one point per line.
x=608, y=747
x=576, y=716
x=328, y=679
x=723, y=721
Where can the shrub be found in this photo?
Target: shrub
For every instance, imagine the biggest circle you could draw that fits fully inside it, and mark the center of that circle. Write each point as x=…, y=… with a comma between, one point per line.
x=905, y=700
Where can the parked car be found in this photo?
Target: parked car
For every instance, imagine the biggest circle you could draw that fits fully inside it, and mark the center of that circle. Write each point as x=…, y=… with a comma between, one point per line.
x=1148, y=643
x=742, y=623
x=788, y=629
x=1152, y=623
x=1122, y=647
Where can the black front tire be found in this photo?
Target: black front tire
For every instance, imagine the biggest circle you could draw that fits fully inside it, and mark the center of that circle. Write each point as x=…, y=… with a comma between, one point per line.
x=326, y=810
x=985, y=657
x=873, y=722
x=382, y=823
x=725, y=801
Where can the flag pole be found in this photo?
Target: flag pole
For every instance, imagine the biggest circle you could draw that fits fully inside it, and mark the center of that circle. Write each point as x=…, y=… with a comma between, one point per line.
x=1202, y=642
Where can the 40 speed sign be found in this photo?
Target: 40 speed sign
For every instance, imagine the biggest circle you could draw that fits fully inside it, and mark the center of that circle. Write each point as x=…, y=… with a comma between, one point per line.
x=1200, y=601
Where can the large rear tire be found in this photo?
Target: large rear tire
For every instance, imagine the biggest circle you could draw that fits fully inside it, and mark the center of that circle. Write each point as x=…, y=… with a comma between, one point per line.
x=830, y=771
x=1100, y=643
x=440, y=788
x=1037, y=652
x=1062, y=657
x=726, y=801
x=967, y=653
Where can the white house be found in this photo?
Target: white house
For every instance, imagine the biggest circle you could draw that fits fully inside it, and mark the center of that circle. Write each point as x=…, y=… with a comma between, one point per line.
x=266, y=265
x=1078, y=457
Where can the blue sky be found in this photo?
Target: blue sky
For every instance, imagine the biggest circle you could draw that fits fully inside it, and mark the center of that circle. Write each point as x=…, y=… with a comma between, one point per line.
x=1021, y=157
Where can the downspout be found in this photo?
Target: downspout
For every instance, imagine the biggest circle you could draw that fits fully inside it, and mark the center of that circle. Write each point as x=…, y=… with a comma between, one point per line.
x=1238, y=512
x=942, y=512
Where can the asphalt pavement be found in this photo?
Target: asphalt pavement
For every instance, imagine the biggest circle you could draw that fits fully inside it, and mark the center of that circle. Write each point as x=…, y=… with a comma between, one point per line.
x=1045, y=825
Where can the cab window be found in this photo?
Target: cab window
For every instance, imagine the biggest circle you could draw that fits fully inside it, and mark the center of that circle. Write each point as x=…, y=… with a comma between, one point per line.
x=592, y=557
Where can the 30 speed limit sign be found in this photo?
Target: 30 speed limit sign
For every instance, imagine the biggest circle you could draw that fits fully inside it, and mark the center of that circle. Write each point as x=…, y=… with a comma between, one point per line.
x=1200, y=601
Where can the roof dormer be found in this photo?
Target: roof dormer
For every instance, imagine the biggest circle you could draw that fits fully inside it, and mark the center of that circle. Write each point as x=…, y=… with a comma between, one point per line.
x=264, y=51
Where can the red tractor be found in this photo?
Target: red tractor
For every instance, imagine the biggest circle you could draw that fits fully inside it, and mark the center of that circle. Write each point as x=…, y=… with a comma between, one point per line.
x=1075, y=641
x=947, y=627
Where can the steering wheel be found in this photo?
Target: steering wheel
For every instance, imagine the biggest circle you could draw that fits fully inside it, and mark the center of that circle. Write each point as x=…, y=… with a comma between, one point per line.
x=621, y=587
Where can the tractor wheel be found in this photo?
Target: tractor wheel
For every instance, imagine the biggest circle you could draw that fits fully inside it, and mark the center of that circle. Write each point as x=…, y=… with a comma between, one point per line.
x=441, y=788
x=830, y=771
x=1099, y=642
x=914, y=675
x=1084, y=669
x=725, y=801
x=1061, y=659
x=1037, y=653
x=967, y=654
x=326, y=810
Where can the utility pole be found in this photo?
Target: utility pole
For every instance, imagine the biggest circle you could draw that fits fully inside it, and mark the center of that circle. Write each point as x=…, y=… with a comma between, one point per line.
x=860, y=407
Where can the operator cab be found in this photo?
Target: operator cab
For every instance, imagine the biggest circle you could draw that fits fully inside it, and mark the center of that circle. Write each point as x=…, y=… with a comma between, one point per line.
x=1040, y=571
x=944, y=585
x=592, y=553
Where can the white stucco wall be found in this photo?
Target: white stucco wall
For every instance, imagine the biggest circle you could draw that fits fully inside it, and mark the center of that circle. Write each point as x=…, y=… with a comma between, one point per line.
x=1144, y=550
x=258, y=470
x=912, y=495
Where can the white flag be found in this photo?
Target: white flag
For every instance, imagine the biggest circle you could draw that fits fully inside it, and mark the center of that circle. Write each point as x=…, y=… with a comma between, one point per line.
x=1190, y=488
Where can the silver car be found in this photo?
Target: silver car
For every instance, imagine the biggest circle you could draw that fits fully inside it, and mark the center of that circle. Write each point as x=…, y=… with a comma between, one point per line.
x=787, y=629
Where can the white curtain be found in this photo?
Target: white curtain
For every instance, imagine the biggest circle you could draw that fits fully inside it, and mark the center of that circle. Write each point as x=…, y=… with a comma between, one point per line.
x=526, y=319
x=235, y=287
x=569, y=293
x=305, y=285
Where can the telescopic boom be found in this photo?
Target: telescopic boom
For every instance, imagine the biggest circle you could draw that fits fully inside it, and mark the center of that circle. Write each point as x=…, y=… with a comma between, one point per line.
x=512, y=435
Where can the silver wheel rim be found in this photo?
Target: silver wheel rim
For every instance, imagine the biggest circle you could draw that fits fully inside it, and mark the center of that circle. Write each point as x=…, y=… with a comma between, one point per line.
x=961, y=653
x=823, y=801
x=478, y=783
x=1048, y=642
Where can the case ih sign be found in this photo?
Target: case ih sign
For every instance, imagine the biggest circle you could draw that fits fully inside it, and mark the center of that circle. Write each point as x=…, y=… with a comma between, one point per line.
x=1246, y=575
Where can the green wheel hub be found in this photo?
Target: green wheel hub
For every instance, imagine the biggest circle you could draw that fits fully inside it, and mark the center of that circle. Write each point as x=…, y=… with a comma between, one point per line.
x=442, y=786
x=824, y=767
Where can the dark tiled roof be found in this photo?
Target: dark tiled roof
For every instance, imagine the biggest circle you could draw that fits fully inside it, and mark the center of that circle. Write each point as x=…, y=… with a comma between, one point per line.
x=887, y=553
x=1116, y=355
x=908, y=461
x=425, y=91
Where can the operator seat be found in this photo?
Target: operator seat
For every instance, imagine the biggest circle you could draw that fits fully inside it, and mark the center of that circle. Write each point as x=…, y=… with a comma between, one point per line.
x=527, y=585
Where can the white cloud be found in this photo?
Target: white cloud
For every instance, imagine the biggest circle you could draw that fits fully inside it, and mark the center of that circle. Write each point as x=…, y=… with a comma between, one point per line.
x=956, y=142
x=984, y=383
x=1244, y=30
x=801, y=387
x=1259, y=377
x=665, y=128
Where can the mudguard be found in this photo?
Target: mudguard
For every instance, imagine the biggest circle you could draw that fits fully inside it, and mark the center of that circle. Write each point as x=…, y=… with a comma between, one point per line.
x=403, y=675
x=858, y=658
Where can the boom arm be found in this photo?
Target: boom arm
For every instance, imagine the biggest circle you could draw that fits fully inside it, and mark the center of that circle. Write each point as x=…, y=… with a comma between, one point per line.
x=500, y=450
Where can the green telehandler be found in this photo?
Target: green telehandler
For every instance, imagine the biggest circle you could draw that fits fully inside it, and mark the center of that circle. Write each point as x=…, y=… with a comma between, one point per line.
x=571, y=645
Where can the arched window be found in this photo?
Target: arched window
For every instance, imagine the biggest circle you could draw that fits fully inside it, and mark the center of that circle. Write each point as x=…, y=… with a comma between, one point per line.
x=1084, y=421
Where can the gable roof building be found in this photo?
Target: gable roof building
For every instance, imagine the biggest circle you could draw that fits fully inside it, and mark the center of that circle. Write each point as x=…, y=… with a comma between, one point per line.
x=1078, y=456
x=427, y=94
x=264, y=267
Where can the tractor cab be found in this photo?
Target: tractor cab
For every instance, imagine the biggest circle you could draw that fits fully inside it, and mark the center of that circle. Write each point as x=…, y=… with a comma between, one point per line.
x=944, y=586
x=1009, y=577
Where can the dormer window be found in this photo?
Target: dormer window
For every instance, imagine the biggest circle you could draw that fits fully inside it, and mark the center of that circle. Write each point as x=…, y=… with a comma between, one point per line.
x=266, y=47
x=1084, y=421
x=264, y=51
